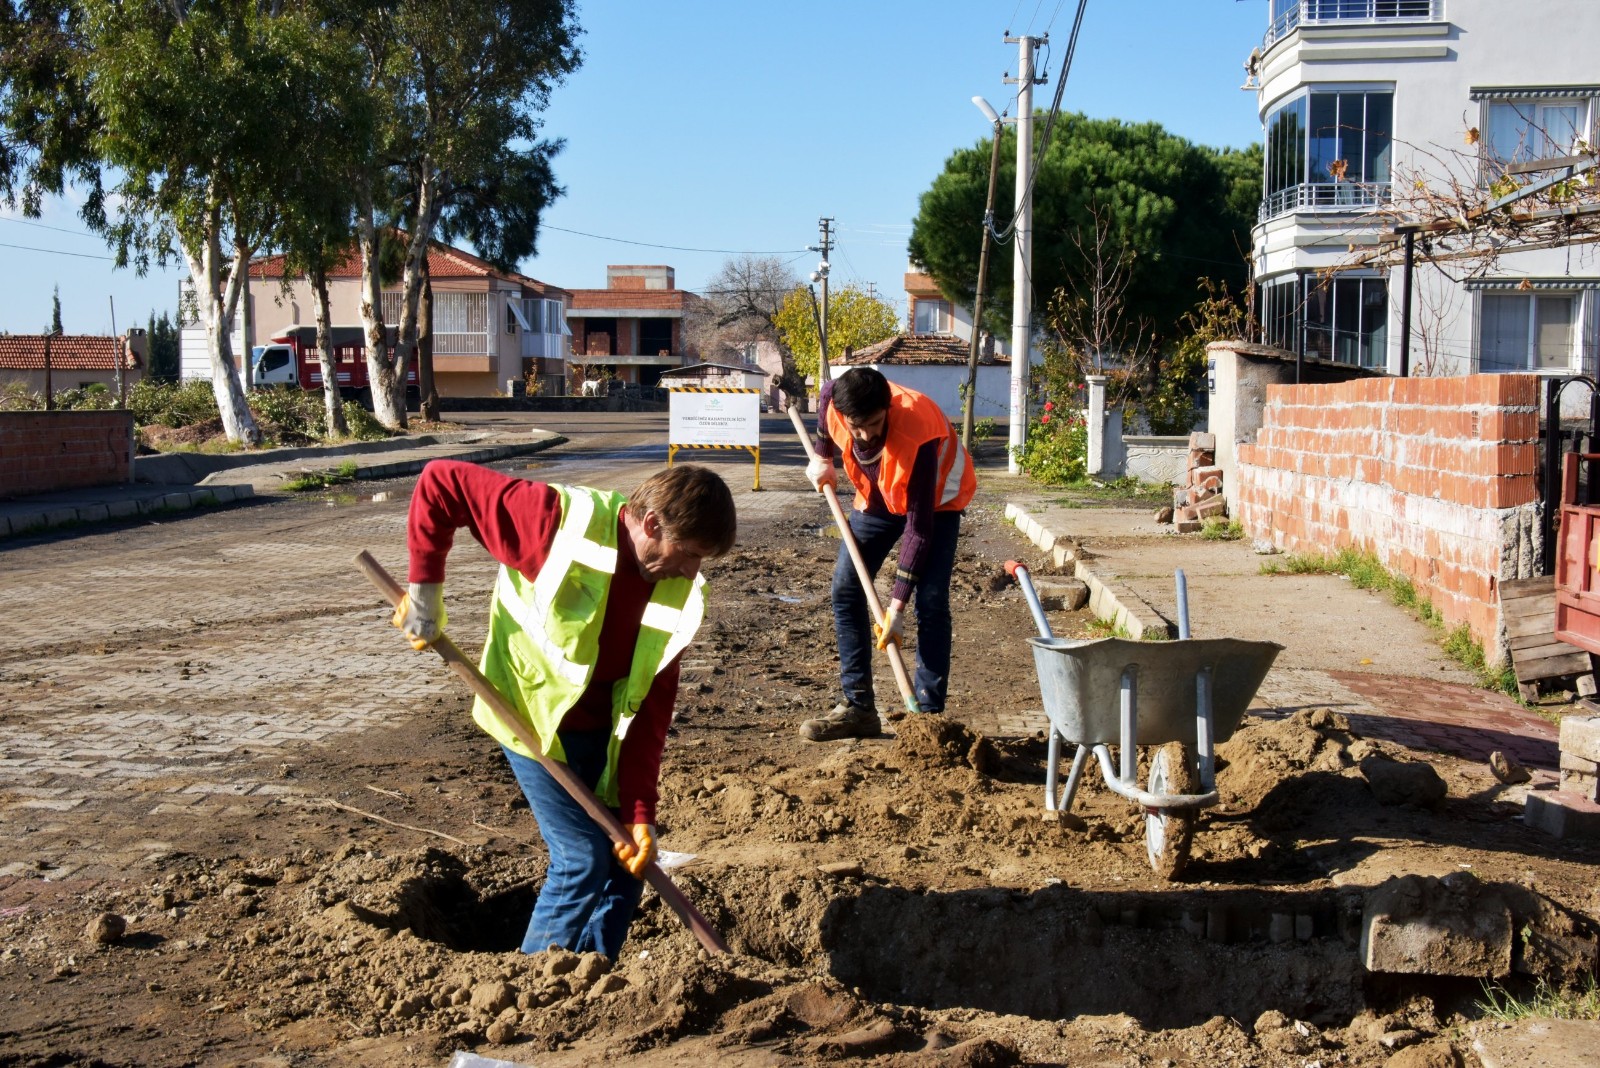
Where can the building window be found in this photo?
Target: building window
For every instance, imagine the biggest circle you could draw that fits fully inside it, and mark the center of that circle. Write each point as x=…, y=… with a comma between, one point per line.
x=1526, y=331
x=1516, y=131
x=533, y=311
x=1328, y=150
x=932, y=317
x=555, y=321
x=1342, y=320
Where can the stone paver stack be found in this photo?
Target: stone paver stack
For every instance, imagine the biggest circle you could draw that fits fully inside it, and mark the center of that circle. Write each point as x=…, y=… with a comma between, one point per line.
x=1573, y=811
x=1200, y=497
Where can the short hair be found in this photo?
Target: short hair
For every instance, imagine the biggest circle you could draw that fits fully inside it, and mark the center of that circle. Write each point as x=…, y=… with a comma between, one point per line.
x=693, y=504
x=861, y=393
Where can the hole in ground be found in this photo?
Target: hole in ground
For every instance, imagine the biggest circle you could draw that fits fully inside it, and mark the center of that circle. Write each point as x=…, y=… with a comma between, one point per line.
x=443, y=907
x=1168, y=960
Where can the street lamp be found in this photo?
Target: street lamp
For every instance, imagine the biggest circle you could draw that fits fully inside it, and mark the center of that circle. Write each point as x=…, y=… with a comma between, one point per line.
x=983, y=275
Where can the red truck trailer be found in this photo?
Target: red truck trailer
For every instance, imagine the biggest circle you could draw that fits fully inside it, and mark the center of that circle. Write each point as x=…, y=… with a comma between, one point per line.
x=291, y=359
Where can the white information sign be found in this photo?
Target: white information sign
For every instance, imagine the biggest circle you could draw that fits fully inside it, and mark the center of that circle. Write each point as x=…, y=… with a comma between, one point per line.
x=727, y=419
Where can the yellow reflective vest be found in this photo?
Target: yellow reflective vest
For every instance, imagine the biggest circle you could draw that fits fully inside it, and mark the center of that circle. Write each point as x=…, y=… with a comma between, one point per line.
x=544, y=634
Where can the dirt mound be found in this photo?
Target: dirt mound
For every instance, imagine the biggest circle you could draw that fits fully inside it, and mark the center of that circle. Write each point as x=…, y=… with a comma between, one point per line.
x=170, y=438
x=939, y=742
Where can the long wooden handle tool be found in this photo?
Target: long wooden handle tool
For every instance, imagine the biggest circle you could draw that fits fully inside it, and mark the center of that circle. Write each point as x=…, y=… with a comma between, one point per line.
x=896, y=663
x=509, y=717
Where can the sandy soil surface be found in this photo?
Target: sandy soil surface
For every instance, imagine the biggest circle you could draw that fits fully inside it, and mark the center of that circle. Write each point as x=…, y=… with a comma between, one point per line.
x=898, y=901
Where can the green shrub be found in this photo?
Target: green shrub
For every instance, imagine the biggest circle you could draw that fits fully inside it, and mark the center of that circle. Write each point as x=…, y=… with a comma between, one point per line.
x=294, y=416
x=94, y=397
x=172, y=404
x=363, y=425
x=14, y=397
x=1056, y=452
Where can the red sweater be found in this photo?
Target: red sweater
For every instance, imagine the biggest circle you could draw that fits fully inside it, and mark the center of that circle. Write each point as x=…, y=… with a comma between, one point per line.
x=516, y=521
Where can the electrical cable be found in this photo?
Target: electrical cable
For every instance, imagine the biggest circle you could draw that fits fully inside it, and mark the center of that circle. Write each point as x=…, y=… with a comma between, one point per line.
x=60, y=252
x=1055, y=109
x=677, y=248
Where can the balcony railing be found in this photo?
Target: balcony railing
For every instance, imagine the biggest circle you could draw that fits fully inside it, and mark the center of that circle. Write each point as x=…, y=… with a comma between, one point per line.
x=1323, y=196
x=1332, y=12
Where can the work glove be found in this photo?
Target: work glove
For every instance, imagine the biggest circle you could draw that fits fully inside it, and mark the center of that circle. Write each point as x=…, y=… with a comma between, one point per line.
x=420, y=614
x=819, y=472
x=894, y=625
x=638, y=856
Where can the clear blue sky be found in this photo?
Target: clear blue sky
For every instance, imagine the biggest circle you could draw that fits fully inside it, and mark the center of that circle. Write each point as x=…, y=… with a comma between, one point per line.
x=729, y=125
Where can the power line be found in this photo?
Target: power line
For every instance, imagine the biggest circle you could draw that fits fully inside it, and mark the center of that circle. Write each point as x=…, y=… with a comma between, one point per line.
x=677, y=248
x=44, y=226
x=59, y=252
x=1037, y=162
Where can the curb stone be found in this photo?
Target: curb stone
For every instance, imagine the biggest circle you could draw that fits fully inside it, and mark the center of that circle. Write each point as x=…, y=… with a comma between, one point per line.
x=1108, y=599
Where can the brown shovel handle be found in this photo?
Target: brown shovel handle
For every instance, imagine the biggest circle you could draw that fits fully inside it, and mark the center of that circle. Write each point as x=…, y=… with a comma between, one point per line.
x=512, y=721
x=896, y=663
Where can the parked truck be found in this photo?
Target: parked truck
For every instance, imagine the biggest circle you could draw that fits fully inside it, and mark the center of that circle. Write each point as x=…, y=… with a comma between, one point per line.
x=291, y=359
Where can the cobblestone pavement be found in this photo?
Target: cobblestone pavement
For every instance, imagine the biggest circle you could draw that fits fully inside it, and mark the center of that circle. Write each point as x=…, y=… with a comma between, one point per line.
x=174, y=669
x=149, y=688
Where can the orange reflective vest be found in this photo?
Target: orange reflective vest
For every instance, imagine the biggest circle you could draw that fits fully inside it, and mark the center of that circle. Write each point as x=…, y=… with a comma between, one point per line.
x=914, y=420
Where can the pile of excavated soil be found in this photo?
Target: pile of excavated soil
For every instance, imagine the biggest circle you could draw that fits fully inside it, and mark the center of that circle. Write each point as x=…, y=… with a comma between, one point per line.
x=893, y=901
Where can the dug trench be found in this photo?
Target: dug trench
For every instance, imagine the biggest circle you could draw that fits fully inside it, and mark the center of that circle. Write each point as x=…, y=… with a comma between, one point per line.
x=893, y=901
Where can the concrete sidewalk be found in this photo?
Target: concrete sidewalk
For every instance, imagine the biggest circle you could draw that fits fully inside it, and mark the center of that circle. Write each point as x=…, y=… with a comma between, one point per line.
x=175, y=482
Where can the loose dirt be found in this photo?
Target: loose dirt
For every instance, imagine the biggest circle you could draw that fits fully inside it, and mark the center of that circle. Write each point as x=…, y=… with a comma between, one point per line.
x=900, y=901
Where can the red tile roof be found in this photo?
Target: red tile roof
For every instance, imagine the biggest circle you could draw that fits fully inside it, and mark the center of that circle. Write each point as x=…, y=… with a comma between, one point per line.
x=444, y=261
x=918, y=349
x=68, y=352
x=664, y=299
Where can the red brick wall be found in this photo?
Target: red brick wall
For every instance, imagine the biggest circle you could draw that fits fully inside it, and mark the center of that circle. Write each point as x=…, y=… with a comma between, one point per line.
x=1433, y=475
x=42, y=451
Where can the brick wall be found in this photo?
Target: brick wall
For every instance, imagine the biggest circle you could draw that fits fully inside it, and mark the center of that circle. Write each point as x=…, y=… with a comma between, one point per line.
x=1436, y=476
x=43, y=451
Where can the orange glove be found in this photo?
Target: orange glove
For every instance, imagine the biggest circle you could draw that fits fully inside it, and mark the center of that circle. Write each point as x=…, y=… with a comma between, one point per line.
x=638, y=856
x=894, y=625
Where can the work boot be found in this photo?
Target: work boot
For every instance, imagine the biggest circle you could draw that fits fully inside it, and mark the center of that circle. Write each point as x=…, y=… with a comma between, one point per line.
x=845, y=721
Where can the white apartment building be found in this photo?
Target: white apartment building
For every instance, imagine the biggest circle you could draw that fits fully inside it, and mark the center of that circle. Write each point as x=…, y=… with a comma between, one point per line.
x=1355, y=95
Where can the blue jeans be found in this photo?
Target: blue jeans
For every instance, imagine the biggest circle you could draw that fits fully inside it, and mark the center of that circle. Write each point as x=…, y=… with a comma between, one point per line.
x=588, y=899
x=852, y=620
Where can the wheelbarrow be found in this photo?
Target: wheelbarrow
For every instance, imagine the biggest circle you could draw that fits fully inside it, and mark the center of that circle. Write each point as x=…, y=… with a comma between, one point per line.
x=1184, y=697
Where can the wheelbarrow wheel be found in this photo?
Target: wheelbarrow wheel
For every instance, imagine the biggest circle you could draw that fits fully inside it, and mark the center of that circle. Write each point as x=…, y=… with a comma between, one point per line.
x=1168, y=831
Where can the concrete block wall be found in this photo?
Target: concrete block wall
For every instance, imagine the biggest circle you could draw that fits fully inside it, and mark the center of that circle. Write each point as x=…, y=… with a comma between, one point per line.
x=43, y=451
x=1436, y=476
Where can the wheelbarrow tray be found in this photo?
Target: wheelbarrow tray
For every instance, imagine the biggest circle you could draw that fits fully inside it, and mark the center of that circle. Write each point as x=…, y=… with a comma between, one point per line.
x=1081, y=683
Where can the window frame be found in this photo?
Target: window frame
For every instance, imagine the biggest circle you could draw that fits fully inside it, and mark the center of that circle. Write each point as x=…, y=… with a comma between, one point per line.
x=1531, y=362
x=941, y=310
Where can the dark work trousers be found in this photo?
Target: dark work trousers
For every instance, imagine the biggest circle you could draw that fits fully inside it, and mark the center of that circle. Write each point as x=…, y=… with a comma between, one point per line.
x=852, y=619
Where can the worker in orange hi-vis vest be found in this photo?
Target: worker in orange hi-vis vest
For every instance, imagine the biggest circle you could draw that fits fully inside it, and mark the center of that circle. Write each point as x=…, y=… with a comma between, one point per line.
x=912, y=478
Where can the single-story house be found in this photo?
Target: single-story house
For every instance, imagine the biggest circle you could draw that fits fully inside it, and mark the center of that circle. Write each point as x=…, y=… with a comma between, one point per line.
x=75, y=360
x=936, y=365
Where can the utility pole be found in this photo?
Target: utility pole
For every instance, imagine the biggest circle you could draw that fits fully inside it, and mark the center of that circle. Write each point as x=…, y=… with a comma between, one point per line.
x=820, y=275
x=1022, y=260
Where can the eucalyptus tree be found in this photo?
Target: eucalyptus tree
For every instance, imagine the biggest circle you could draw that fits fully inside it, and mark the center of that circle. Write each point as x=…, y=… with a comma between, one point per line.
x=316, y=226
x=459, y=90
x=201, y=106
x=48, y=125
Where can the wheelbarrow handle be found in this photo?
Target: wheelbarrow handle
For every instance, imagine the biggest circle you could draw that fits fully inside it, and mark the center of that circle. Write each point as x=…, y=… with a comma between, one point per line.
x=1019, y=572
